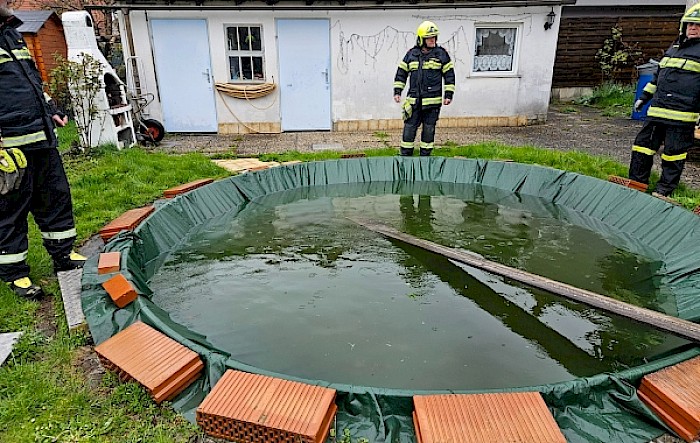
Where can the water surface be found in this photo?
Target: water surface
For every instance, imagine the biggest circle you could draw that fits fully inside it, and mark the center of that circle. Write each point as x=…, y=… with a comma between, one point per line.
x=289, y=284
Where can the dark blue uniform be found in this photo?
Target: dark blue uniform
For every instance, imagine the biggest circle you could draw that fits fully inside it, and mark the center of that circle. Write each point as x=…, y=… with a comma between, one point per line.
x=424, y=98
x=674, y=110
x=26, y=123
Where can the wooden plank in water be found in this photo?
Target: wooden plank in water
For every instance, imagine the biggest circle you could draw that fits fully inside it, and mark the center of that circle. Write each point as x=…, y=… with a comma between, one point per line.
x=677, y=326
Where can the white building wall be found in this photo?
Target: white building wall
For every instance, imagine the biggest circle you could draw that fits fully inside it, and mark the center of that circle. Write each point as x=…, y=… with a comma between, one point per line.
x=366, y=47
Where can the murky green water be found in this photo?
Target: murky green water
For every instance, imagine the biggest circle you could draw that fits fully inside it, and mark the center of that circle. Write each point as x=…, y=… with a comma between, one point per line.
x=289, y=284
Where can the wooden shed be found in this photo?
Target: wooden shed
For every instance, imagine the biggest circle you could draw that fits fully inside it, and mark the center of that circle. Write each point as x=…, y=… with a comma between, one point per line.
x=43, y=32
x=649, y=25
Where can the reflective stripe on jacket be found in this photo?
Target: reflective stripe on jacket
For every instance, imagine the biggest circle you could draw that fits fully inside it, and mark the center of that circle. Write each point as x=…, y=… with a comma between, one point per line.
x=25, y=115
x=675, y=88
x=426, y=71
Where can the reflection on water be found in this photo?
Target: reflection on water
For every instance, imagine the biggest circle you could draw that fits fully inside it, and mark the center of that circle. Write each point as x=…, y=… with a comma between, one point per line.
x=289, y=284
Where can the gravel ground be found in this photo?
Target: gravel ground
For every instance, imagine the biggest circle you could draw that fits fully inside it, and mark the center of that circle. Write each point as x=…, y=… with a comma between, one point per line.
x=584, y=129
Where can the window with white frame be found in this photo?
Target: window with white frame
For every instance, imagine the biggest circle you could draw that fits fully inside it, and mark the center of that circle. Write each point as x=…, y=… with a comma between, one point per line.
x=494, y=49
x=245, y=53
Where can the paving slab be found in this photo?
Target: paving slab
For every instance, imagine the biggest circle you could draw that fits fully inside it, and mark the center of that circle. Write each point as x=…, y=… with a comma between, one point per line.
x=7, y=342
x=70, y=283
x=245, y=164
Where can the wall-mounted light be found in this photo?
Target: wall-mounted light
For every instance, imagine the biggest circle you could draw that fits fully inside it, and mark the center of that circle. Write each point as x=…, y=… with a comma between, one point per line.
x=550, y=20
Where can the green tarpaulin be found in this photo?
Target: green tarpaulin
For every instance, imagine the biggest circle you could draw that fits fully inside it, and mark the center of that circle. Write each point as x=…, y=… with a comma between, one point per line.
x=602, y=408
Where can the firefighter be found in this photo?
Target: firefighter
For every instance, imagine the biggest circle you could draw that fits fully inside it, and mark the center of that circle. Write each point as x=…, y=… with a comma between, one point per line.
x=674, y=92
x=427, y=64
x=32, y=178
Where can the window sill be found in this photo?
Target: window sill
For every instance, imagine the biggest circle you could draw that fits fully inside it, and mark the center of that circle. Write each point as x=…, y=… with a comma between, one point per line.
x=494, y=75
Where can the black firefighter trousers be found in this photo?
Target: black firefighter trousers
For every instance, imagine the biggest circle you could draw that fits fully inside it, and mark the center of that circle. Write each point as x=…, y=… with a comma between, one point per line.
x=427, y=117
x=45, y=193
x=677, y=139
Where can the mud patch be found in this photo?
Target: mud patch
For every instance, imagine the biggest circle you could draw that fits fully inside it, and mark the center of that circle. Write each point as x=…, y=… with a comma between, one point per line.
x=46, y=317
x=85, y=359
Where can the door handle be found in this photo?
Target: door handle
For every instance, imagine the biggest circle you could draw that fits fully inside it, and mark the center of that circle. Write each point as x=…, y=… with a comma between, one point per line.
x=325, y=74
x=206, y=73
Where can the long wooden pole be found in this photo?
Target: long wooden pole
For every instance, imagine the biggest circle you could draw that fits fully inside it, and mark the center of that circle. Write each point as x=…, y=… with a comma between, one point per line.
x=663, y=322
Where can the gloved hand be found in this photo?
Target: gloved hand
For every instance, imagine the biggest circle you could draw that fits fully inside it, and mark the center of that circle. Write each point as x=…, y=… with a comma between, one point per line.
x=638, y=105
x=13, y=165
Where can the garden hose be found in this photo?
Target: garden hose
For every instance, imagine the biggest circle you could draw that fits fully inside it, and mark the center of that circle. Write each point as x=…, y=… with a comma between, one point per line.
x=246, y=91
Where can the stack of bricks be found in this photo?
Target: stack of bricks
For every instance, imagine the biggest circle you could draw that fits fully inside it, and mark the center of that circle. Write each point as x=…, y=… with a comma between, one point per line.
x=187, y=187
x=484, y=418
x=161, y=365
x=673, y=394
x=252, y=408
x=127, y=221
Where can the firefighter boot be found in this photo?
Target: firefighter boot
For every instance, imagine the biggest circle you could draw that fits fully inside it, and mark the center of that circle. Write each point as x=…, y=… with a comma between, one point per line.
x=26, y=289
x=425, y=152
x=406, y=152
x=68, y=262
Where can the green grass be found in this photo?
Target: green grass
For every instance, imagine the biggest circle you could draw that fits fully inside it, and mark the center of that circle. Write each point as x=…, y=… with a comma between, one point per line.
x=45, y=395
x=613, y=99
x=67, y=136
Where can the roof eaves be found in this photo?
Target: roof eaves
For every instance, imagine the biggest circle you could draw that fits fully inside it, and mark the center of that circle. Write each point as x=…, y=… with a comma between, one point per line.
x=325, y=4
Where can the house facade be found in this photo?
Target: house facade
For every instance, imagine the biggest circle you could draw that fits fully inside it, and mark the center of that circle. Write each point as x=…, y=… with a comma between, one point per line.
x=299, y=66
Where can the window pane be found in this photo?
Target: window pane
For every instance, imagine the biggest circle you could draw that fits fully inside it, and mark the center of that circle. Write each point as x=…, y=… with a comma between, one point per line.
x=494, y=49
x=243, y=38
x=235, y=68
x=232, y=34
x=256, y=41
x=258, y=73
x=246, y=68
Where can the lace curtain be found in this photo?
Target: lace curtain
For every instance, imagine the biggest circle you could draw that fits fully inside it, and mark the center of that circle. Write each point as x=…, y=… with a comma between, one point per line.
x=494, y=49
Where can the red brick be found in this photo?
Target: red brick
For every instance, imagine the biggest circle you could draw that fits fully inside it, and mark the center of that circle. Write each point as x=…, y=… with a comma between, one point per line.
x=519, y=417
x=187, y=187
x=120, y=290
x=127, y=221
x=161, y=365
x=673, y=394
x=626, y=182
x=251, y=408
x=109, y=262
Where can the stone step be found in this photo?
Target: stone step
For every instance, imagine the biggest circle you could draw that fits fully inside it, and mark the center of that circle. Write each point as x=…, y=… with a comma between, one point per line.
x=70, y=284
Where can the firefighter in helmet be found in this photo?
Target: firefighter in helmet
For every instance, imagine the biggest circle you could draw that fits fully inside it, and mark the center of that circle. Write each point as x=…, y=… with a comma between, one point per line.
x=673, y=112
x=427, y=64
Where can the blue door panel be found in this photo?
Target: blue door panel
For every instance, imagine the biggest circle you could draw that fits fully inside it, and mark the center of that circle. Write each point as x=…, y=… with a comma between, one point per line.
x=304, y=58
x=183, y=69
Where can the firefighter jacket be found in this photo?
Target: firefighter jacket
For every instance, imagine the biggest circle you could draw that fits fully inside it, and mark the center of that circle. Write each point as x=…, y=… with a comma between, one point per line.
x=674, y=90
x=426, y=71
x=25, y=111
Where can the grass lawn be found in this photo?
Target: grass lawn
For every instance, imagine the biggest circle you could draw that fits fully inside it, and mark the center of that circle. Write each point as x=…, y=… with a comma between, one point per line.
x=47, y=393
